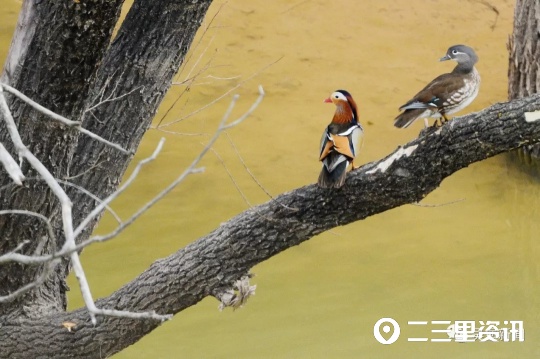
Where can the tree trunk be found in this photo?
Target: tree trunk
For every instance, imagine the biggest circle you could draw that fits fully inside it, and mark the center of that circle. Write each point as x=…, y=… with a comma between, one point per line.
x=144, y=57
x=524, y=68
x=53, y=59
x=61, y=58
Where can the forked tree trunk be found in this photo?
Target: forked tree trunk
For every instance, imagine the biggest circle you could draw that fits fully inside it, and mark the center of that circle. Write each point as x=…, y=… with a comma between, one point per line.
x=53, y=59
x=62, y=57
x=524, y=67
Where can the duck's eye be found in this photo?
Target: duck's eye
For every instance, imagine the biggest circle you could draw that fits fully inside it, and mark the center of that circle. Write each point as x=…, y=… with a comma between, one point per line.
x=454, y=52
x=336, y=96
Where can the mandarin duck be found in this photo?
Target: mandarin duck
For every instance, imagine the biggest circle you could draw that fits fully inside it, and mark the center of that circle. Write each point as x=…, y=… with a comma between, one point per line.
x=448, y=93
x=340, y=141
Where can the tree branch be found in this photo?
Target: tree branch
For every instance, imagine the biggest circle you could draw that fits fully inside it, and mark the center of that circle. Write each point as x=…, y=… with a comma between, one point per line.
x=62, y=119
x=56, y=50
x=11, y=166
x=69, y=233
x=212, y=264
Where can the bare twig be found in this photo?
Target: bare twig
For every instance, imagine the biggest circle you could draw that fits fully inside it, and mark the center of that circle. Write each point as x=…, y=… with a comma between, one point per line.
x=67, y=222
x=218, y=98
x=89, y=169
x=185, y=90
x=6, y=257
x=199, y=59
x=11, y=166
x=205, y=68
x=40, y=108
x=190, y=170
x=70, y=247
x=91, y=195
x=65, y=202
x=20, y=245
x=97, y=210
x=231, y=177
x=62, y=119
x=231, y=142
x=101, y=93
x=222, y=78
x=112, y=99
x=43, y=275
x=103, y=204
x=176, y=133
x=242, y=194
x=194, y=48
x=101, y=139
x=189, y=81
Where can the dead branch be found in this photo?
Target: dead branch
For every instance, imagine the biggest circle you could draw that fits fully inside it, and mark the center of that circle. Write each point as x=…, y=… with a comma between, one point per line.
x=59, y=118
x=213, y=264
x=70, y=248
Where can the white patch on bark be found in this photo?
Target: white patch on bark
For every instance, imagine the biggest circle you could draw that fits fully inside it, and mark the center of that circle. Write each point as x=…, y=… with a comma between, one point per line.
x=532, y=116
x=383, y=166
x=24, y=32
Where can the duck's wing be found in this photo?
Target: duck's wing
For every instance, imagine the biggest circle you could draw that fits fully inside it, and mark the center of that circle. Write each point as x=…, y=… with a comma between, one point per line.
x=436, y=93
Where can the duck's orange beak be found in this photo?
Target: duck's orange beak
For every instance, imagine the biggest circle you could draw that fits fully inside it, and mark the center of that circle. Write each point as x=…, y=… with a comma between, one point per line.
x=328, y=100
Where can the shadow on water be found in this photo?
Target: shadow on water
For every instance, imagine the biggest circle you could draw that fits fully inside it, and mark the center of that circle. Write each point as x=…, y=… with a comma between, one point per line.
x=525, y=160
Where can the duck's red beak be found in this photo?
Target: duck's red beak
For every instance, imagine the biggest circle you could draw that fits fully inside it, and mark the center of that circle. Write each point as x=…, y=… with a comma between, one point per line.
x=328, y=100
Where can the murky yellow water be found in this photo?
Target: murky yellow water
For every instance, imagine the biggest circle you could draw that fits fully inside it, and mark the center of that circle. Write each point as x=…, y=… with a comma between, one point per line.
x=473, y=260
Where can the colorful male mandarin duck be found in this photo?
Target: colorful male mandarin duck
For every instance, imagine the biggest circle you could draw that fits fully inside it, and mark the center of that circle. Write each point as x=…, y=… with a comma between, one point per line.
x=341, y=140
x=446, y=94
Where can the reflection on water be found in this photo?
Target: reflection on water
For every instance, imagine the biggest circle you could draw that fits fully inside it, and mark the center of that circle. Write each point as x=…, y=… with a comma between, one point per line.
x=522, y=160
x=475, y=259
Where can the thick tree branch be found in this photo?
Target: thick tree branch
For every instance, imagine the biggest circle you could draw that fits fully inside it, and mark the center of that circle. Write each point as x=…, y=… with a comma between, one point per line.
x=61, y=58
x=56, y=50
x=524, y=49
x=211, y=264
x=146, y=54
x=524, y=65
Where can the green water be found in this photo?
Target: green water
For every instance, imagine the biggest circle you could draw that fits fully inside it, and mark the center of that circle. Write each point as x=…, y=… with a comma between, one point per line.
x=476, y=259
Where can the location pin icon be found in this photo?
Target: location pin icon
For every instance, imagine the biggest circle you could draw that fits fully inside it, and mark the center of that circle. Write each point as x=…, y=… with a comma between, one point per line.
x=386, y=331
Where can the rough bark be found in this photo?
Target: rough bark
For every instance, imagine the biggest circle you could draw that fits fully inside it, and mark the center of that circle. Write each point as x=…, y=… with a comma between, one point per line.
x=53, y=58
x=524, y=47
x=61, y=58
x=524, y=66
x=212, y=263
x=144, y=57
